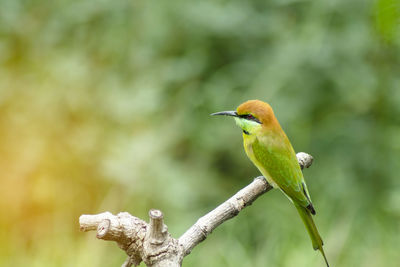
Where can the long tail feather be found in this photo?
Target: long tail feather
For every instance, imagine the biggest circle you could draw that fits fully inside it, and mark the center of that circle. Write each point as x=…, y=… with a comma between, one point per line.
x=323, y=254
x=312, y=230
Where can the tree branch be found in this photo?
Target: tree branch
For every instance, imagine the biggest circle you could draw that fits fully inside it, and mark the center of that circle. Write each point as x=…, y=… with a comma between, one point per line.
x=152, y=244
x=227, y=210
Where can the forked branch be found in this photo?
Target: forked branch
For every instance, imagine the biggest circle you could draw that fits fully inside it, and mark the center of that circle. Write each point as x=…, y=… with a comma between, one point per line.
x=152, y=244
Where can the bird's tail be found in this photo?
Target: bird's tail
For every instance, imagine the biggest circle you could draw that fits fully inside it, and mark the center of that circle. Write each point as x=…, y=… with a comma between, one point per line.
x=312, y=230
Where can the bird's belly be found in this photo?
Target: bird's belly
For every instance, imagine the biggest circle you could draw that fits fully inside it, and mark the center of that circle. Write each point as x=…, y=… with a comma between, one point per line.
x=264, y=172
x=267, y=176
x=271, y=181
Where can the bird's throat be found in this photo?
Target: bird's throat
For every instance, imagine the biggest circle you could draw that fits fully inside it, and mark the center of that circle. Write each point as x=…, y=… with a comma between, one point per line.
x=248, y=126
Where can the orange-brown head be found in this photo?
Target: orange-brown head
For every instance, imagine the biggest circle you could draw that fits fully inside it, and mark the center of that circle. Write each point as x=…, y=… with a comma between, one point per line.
x=258, y=109
x=252, y=116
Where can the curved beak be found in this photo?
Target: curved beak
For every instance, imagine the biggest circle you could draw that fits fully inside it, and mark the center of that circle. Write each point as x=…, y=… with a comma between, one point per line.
x=225, y=113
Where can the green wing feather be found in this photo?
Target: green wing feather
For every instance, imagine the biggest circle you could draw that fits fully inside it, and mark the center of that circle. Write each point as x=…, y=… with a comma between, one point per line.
x=279, y=160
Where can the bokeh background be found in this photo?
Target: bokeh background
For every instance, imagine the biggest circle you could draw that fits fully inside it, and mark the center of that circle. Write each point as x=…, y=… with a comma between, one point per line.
x=104, y=106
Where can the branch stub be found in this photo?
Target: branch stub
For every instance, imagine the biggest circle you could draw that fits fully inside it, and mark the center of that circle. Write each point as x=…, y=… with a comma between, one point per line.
x=103, y=228
x=157, y=229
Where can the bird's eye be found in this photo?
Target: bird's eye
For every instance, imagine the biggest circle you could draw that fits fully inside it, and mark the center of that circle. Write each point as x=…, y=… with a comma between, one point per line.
x=250, y=117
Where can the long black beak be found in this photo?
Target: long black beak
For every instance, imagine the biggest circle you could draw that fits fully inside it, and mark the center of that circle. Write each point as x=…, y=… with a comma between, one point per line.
x=226, y=113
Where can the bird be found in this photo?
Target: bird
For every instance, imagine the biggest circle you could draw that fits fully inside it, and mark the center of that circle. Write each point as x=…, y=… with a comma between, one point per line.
x=270, y=150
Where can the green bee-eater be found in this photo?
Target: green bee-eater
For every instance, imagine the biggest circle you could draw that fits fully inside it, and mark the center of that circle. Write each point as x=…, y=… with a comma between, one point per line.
x=268, y=147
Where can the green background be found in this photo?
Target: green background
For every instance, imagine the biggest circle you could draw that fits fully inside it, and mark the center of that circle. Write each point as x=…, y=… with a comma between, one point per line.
x=104, y=106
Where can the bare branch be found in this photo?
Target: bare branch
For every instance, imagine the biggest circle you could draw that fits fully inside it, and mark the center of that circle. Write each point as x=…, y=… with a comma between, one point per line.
x=152, y=244
x=227, y=210
x=128, y=231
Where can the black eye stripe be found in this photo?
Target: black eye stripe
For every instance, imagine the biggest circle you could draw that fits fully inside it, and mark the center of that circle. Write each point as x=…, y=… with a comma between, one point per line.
x=249, y=117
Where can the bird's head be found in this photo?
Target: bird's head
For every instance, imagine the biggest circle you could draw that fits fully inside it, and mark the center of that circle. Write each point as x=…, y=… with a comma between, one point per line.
x=252, y=116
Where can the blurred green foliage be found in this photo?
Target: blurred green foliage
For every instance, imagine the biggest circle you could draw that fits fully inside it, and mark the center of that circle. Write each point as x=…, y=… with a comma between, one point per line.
x=104, y=106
